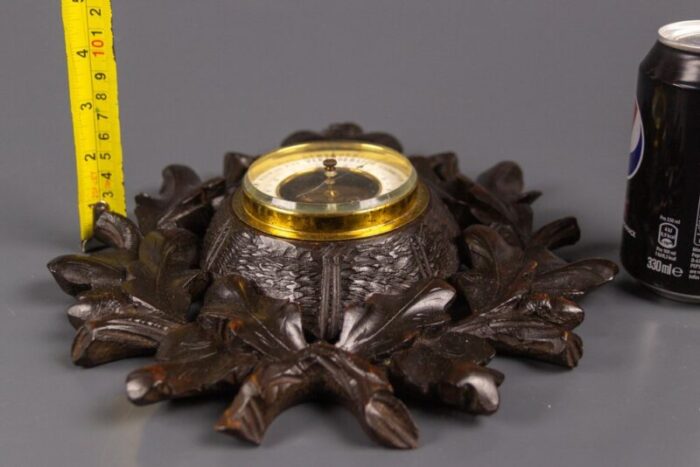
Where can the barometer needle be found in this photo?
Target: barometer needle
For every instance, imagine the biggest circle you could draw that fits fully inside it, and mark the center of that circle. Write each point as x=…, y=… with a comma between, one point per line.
x=311, y=190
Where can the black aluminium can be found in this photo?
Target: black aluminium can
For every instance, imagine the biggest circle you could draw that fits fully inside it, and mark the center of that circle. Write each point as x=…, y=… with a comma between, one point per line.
x=661, y=234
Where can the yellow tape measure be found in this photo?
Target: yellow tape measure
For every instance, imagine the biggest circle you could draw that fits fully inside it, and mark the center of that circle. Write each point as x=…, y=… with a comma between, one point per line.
x=92, y=79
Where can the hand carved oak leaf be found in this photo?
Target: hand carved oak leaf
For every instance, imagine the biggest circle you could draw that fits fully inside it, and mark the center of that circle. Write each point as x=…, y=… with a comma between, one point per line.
x=111, y=325
x=562, y=232
x=234, y=305
x=500, y=273
x=532, y=314
x=164, y=276
x=79, y=273
x=116, y=231
x=289, y=370
x=505, y=181
x=191, y=361
x=441, y=173
x=185, y=202
x=557, y=277
x=235, y=166
x=388, y=322
x=98, y=304
x=513, y=220
x=148, y=292
x=105, y=268
x=120, y=336
x=498, y=200
x=320, y=369
x=449, y=368
x=575, y=278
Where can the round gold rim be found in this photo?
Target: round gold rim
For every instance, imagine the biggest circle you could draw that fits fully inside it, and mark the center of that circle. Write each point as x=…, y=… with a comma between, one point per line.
x=327, y=227
x=300, y=151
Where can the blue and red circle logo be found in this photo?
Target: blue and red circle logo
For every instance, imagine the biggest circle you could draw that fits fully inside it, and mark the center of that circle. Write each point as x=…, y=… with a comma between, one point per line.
x=636, y=143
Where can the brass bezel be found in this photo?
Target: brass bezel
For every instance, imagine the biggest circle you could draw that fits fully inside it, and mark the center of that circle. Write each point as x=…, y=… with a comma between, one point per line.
x=339, y=221
x=330, y=227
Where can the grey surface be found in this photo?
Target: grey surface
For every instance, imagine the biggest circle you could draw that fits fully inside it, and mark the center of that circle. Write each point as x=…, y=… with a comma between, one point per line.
x=548, y=83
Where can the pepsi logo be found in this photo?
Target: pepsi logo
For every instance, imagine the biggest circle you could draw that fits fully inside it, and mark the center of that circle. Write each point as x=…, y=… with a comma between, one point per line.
x=636, y=143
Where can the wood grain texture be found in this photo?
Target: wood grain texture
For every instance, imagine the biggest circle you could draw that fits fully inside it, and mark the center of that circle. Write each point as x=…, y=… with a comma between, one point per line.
x=328, y=277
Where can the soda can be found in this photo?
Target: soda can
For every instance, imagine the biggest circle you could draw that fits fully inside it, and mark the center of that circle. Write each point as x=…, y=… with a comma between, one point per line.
x=661, y=231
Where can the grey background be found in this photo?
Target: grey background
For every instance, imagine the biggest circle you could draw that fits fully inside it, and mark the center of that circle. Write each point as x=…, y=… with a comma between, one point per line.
x=547, y=83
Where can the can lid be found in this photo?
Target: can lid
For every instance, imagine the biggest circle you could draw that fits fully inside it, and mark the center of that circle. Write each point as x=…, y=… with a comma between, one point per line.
x=683, y=35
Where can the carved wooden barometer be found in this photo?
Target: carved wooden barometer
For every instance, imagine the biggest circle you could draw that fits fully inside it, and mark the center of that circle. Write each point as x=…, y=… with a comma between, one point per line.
x=334, y=267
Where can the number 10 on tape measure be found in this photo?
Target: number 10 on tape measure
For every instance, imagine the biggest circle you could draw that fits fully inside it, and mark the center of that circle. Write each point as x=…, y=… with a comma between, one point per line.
x=92, y=80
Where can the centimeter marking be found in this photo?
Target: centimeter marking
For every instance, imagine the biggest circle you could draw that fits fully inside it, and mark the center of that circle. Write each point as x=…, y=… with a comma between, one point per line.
x=92, y=80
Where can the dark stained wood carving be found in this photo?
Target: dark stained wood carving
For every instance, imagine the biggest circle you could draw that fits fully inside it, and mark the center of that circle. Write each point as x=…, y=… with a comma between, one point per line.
x=417, y=313
x=326, y=278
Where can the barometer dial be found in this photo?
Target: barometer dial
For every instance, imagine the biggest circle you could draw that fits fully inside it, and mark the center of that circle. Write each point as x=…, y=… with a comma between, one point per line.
x=330, y=190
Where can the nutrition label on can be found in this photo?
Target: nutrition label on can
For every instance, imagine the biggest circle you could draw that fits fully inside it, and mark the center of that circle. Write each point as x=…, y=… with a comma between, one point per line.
x=665, y=256
x=694, y=266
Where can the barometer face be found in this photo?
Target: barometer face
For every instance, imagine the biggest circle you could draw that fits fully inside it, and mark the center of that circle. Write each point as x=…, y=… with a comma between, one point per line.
x=330, y=190
x=330, y=177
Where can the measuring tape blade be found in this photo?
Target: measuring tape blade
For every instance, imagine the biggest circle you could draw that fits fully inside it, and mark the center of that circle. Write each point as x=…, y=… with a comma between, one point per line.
x=92, y=80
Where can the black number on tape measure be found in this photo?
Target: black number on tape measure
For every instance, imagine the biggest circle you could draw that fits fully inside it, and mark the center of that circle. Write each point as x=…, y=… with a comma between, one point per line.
x=89, y=157
x=78, y=1
x=100, y=76
x=107, y=175
x=101, y=96
x=101, y=116
x=103, y=136
x=105, y=156
x=83, y=53
x=96, y=32
x=95, y=11
x=86, y=106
